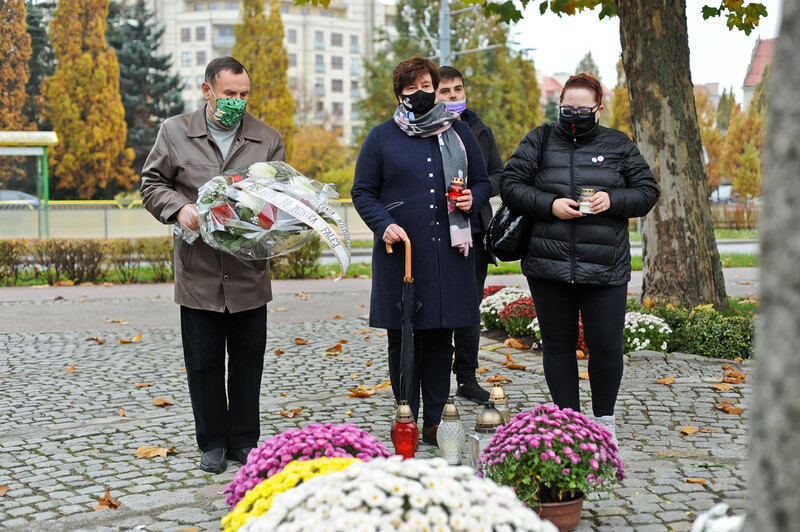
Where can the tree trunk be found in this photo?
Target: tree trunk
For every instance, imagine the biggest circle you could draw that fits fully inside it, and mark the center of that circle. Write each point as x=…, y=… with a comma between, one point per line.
x=680, y=258
x=774, y=439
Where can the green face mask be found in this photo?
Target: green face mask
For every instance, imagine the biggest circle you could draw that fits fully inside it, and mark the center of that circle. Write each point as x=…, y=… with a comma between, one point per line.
x=229, y=111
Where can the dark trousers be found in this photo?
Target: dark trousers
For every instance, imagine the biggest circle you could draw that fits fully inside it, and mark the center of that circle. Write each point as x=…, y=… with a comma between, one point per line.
x=433, y=352
x=229, y=420
x=602, y=310
x=467, y=339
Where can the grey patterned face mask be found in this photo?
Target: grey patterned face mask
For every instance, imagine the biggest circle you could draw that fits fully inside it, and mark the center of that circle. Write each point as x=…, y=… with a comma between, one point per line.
x=419, y=102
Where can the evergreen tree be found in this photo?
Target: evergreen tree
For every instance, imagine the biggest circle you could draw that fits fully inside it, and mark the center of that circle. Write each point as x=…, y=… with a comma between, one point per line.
x=724, y=110
x=150, y=94
x=259, y=45
x=551, y=110
x=621, y=104
x=42, y=62
x=588, y=66
x=15, y=51
x=84, y=105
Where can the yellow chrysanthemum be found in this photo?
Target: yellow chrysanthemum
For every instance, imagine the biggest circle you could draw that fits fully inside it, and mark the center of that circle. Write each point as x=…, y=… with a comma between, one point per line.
x=258, y=500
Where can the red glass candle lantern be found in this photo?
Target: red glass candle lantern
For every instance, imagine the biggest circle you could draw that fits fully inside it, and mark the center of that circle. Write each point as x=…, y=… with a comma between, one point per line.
x=454, y=192
x=405, y=433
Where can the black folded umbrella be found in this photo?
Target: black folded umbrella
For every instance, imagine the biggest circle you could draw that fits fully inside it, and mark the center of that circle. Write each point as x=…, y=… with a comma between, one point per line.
x=408, y=307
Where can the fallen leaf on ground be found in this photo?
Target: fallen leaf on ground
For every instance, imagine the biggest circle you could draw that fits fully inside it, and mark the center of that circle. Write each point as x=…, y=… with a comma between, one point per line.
x=722, y=387
x=481, y=370
x=367, y=391
x=121, y=413
x=143, y=384
x=58, y=298
x=738, y=360
x=71, y=369
x=581, y=355
x=303, y=295
x=64, y=283
x=512, y=365
x=279, y=351
x=733, y=374
x=705, y=431
x=362, y=331
x=335, y=349
x=498, y=378
x=745, y=282
x=384, y=333
x=106, y=502
x=291, y=414
x=729, y=408
x=688, y=430
x=3, y=491
x=694, y=480
x=281, y=309
x=491, y=347
x=666, y=380
x=341, y=359
x=343, y=341
x=132, y=340
x=515, y=344
x=366, y=337
x=160, y=401
x=353, y=376
x=369, y=363
x=348, y=413
x=583, y=375
x=151, y=451
x=80, y=300
x=727, y=367
x=112, y=320
x=731, y=380
x=95, y=339
x=337, y=317
x=283, y=394
x=300, y=341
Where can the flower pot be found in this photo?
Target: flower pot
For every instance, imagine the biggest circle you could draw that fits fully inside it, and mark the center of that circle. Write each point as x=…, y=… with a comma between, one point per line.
x=565, y=515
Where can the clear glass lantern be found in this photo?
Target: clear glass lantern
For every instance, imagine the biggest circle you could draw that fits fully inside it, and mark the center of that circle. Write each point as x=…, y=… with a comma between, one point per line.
x=488, y=420
x=450, y=435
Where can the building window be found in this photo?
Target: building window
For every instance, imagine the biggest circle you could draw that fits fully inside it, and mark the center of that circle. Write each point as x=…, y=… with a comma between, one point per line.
x=337, y=108
x=304, y=11
x=319, y=40
x=291, y=37
x=292, y=60
x=200, y=33
x=199, y=6
x=213, y=6
x=227, y=31
x=284, y=9
x=231, y=5
x=354, y=47
x=337, y=62
x=320, y=106
x=200, y=58
x=319, y=63
x=187, y=82
x=354, y=85
x=200, y=79
x=355, y=66
x=337, y=85
x=319, y=86
x=325, y=13
x=225, y=53
x=186, y=59
x=337, y=39
x=186, y=34
x=292, y=82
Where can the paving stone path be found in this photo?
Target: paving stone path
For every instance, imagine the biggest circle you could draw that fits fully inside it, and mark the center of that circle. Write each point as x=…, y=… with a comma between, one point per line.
x=67, y=436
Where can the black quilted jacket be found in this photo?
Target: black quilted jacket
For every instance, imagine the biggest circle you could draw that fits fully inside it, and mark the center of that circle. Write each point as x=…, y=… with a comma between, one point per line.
x=595, y=249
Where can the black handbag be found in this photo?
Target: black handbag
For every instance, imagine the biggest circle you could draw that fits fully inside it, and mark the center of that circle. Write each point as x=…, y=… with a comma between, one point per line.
x=508, y=233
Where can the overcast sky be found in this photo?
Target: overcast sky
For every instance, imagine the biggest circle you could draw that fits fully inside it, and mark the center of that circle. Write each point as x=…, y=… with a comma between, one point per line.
x=716, y=53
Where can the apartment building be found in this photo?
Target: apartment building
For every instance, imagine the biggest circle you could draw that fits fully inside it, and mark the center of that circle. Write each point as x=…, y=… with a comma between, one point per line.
x=326, y=48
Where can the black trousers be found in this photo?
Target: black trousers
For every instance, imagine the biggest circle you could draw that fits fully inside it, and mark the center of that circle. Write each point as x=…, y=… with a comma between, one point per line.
x=602, y=310
x=433, y=353
x=467, y=339
x=224, y=419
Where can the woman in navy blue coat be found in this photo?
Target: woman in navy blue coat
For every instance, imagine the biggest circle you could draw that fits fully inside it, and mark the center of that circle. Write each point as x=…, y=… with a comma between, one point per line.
x=403, y=170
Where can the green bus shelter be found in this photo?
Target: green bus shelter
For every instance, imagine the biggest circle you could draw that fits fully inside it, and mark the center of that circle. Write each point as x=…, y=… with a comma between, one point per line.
x=33, y=143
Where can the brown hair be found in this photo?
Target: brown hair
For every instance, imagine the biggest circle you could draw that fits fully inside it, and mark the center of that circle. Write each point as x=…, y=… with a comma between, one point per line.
x=446, y=73
x=218, y=64
x=583, y=81
x=411, y=69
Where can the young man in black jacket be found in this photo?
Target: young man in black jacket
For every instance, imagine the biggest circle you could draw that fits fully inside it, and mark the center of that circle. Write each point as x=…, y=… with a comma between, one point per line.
x=451, y=91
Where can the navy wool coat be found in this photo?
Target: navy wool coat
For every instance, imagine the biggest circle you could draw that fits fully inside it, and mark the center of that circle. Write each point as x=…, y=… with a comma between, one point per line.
x=395, y=168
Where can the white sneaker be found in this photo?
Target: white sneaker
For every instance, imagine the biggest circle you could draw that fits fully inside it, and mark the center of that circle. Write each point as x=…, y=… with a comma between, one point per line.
x=608, y=423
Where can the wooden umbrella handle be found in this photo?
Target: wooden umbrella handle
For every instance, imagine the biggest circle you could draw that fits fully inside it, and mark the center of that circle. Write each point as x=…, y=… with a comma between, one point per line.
x=408, y=258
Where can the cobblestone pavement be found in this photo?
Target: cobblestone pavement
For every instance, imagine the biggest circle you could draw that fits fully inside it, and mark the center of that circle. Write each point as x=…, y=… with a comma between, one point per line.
x=64, y=439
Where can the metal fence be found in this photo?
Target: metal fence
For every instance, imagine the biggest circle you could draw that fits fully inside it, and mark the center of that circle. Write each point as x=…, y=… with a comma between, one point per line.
x=109, y=219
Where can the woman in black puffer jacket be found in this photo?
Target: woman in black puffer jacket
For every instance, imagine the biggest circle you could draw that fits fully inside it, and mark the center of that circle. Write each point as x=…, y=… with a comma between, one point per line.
x=580, y=262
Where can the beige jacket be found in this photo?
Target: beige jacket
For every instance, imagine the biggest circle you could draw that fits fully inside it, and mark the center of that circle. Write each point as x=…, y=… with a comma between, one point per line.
x=183, y=158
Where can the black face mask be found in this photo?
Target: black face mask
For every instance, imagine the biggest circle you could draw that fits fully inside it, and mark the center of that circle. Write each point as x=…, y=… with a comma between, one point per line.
x=419, y=102
x=577, y=125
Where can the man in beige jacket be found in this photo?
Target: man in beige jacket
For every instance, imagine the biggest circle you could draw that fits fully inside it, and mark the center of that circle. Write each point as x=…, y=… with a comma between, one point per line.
x=223, y=299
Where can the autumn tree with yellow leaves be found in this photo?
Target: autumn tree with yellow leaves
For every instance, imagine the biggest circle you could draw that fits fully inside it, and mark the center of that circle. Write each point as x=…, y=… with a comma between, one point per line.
x=15, y=51
x=621, y=104
x=710, y=135
x=259, y=46
x=84, y=105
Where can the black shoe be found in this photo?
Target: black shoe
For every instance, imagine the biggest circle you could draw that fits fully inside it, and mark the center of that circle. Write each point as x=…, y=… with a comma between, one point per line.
x=213, y=461
x=473, y=391
x=429, y=435
x=239, y=455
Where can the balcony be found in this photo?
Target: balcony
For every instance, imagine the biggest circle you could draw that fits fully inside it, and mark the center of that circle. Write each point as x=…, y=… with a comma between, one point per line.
x=319, y=45
x=355, y=94
x=319, y=91
x=318, y=67
x=223, y=41
x=355, y=48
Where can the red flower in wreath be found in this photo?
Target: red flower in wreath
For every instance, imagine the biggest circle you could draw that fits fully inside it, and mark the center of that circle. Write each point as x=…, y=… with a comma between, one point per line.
x=268, y=216
x=223, y=214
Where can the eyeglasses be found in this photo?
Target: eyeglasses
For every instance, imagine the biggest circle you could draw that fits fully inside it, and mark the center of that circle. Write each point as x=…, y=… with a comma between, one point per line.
x=583, y=112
